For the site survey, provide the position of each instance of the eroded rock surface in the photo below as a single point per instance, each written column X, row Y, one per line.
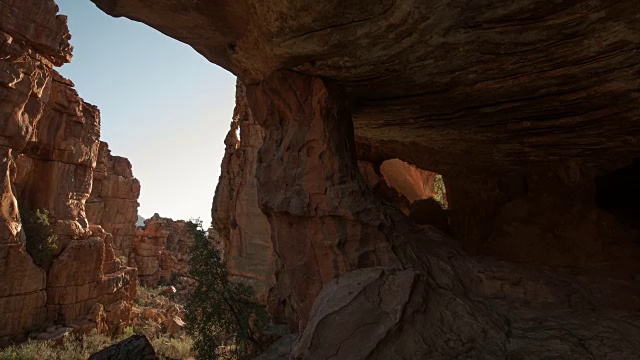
column 243, row 229
column 453, row 305
column 49, row 140
column 487, row 95
column 528, row 110
column 160, row 250
column 113, row 203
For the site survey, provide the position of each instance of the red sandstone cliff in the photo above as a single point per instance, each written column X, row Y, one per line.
column 49, row 145
column 243, row 229
column 113, row 203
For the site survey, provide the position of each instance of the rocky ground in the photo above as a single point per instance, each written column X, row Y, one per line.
column 157, row 314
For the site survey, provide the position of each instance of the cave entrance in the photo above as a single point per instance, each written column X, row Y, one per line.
column 618, row 193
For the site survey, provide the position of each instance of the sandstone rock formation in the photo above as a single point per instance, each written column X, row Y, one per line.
column 236, row 217
column 160, row 250
column 49, row 140
column 528, row 110
column 445, row 310
column 113, row 203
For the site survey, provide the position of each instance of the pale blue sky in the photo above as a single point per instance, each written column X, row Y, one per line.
column 163, row 106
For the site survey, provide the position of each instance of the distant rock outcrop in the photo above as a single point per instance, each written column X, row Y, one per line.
column 160, row 250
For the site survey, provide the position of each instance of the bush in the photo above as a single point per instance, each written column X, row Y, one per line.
column 440, row 192
column 41, row 242
column 128, row 332
column 219, row 313
column 80, row 347
column 172, row 348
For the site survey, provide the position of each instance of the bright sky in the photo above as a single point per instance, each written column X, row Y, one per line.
column 163, row 106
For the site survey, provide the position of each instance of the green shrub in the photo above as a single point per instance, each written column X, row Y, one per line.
column 128, row 332
column 219, row 312
column 172, row 348
column 123, row 260
column 440, row 192
column 41, row 242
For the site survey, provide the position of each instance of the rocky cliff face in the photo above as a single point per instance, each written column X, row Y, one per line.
column 113, row 203
column 528, row 110
column 160, row 250
column 243, row 229
column 49, row 142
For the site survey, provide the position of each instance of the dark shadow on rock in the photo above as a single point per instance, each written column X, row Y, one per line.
column 136, row 347
column 429, row 212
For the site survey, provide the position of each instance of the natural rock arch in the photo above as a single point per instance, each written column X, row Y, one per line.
column 510, row 103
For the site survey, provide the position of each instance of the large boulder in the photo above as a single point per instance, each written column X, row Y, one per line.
column 136, row 347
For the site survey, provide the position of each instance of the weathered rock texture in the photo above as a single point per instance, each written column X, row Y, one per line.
column 113, row 203
column 430, row 301
column 49, row 139
column 243, row 229
column 160, row 250
column 529, row 111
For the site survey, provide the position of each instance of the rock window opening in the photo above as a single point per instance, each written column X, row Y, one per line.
column 418, row 193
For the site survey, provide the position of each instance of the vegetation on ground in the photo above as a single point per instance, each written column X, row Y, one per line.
column 80, row 347
column 222, row 319
column 221, row 315
column 74, row 348
column 166, row 347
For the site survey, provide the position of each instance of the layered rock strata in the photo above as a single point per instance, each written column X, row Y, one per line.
column 243, row 229
column 160, row 250
column 113, row 203
column 485, row 95
column 49, row 140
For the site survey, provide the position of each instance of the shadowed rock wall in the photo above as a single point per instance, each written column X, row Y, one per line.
column 243, row 229
column 527, row 109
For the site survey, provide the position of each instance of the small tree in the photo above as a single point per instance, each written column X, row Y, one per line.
column 219, row 312
column 41, row 242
